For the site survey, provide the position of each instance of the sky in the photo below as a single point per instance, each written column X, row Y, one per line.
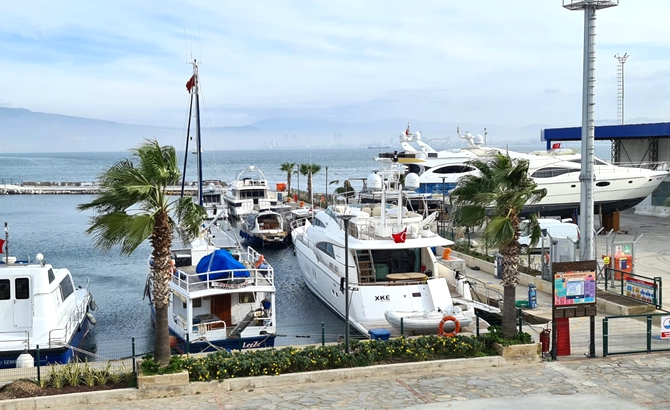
column 514, row 63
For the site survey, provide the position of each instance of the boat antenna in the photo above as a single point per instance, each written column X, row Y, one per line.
column 486, row 133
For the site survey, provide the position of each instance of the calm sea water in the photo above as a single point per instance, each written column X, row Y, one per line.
column 50, row 224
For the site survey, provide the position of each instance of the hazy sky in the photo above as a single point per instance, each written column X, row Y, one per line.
column 499, row 62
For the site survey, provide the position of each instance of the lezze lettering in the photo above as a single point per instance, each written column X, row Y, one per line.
column 383, row 298
column 252, row 345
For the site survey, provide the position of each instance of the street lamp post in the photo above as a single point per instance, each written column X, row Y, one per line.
column 326, row 187
column 346, row 219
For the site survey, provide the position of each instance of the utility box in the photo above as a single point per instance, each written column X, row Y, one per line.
column 532, row 296
column 379, row 334
column 498, row 265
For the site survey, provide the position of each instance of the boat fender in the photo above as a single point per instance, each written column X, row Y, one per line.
column 92, row 304
column 342, row 285
column 91, row 318
column 260, row 261
column 457, row 326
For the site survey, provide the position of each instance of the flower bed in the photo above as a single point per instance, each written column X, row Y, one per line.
column 223, row 364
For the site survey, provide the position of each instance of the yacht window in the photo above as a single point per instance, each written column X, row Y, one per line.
column 596, row 161
column 551, row 172
column 317, row 222
column 52, row 277
column 415, row 168
column 22, row 288
column 453, row 169
column 197, row 302
column 4, row 289
column 602, row 183
column 327, row 248
column 247, row 297
column 66, row 287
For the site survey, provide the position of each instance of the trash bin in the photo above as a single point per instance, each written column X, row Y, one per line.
column 498, row 265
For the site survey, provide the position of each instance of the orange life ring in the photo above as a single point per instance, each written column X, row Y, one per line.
column 260, row 261
column 545, row 257
column 457, row 326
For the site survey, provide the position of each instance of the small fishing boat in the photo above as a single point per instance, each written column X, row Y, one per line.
column 264, row 228
column 40, row 307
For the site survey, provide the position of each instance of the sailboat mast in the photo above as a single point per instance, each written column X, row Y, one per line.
column 188, row 136
column 197, row 130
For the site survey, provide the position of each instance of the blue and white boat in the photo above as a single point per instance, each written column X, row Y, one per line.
column 221, row 295
column 265, row 228
column 40, row 307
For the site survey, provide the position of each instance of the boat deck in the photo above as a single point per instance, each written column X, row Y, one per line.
column 219, row 238
column 189, row 280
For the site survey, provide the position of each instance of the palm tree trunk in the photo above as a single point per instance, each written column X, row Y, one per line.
column 288, row 181
column 309, row 187
column 162, row 343
column 509, row 311
column 162, row 275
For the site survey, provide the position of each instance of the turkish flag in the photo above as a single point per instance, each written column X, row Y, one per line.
column 2, row 246
column 556, row 145
column 190, row 83
column 400, row 236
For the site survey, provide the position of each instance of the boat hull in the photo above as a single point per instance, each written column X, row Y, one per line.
column 48, row 356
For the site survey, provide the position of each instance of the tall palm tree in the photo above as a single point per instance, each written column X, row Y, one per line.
column 288, row 168
column 309, row 170
column 500, row 189
column 134, row 205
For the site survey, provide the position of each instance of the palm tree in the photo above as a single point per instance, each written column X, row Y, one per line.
column 133, row 205
column 500, row 189
column 288, row 168
column 309, row 170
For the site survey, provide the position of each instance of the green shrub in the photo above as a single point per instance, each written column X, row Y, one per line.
column 495, row 336
column 150, row 367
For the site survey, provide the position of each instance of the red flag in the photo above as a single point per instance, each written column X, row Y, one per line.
column 407, row 130
column 400, row 236
column 556, row 145
column 2, row 246
column 190, row 83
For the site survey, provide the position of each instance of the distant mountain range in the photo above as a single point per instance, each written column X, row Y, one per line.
column 28, row 131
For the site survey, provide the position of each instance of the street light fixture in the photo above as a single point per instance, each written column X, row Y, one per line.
column 346, row 219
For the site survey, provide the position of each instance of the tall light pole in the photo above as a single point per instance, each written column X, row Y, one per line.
column 586, row 177
column 346, row 219
column 326, row 186
column 620, row 87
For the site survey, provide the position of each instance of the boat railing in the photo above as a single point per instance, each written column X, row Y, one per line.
column 14, row 338
column 490, row 294
column 210, row 330
column 653, row 165
column 194, row 281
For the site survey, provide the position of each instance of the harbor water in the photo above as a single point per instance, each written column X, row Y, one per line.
column 51, row 225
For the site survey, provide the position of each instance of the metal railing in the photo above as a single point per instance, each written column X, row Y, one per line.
column 635, row 334
column 638, row 287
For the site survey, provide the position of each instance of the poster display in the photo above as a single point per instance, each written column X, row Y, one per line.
column 639, row 288
column 574, row 288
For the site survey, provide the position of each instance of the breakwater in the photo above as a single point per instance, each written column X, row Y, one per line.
column 71, row 188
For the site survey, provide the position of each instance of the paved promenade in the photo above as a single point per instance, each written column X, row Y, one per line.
column 624, row 382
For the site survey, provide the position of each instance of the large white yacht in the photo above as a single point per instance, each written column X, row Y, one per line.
column 617, row 188
column 392, row 267
column 249, row 193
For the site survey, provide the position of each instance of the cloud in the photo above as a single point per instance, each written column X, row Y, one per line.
column 348, row 61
